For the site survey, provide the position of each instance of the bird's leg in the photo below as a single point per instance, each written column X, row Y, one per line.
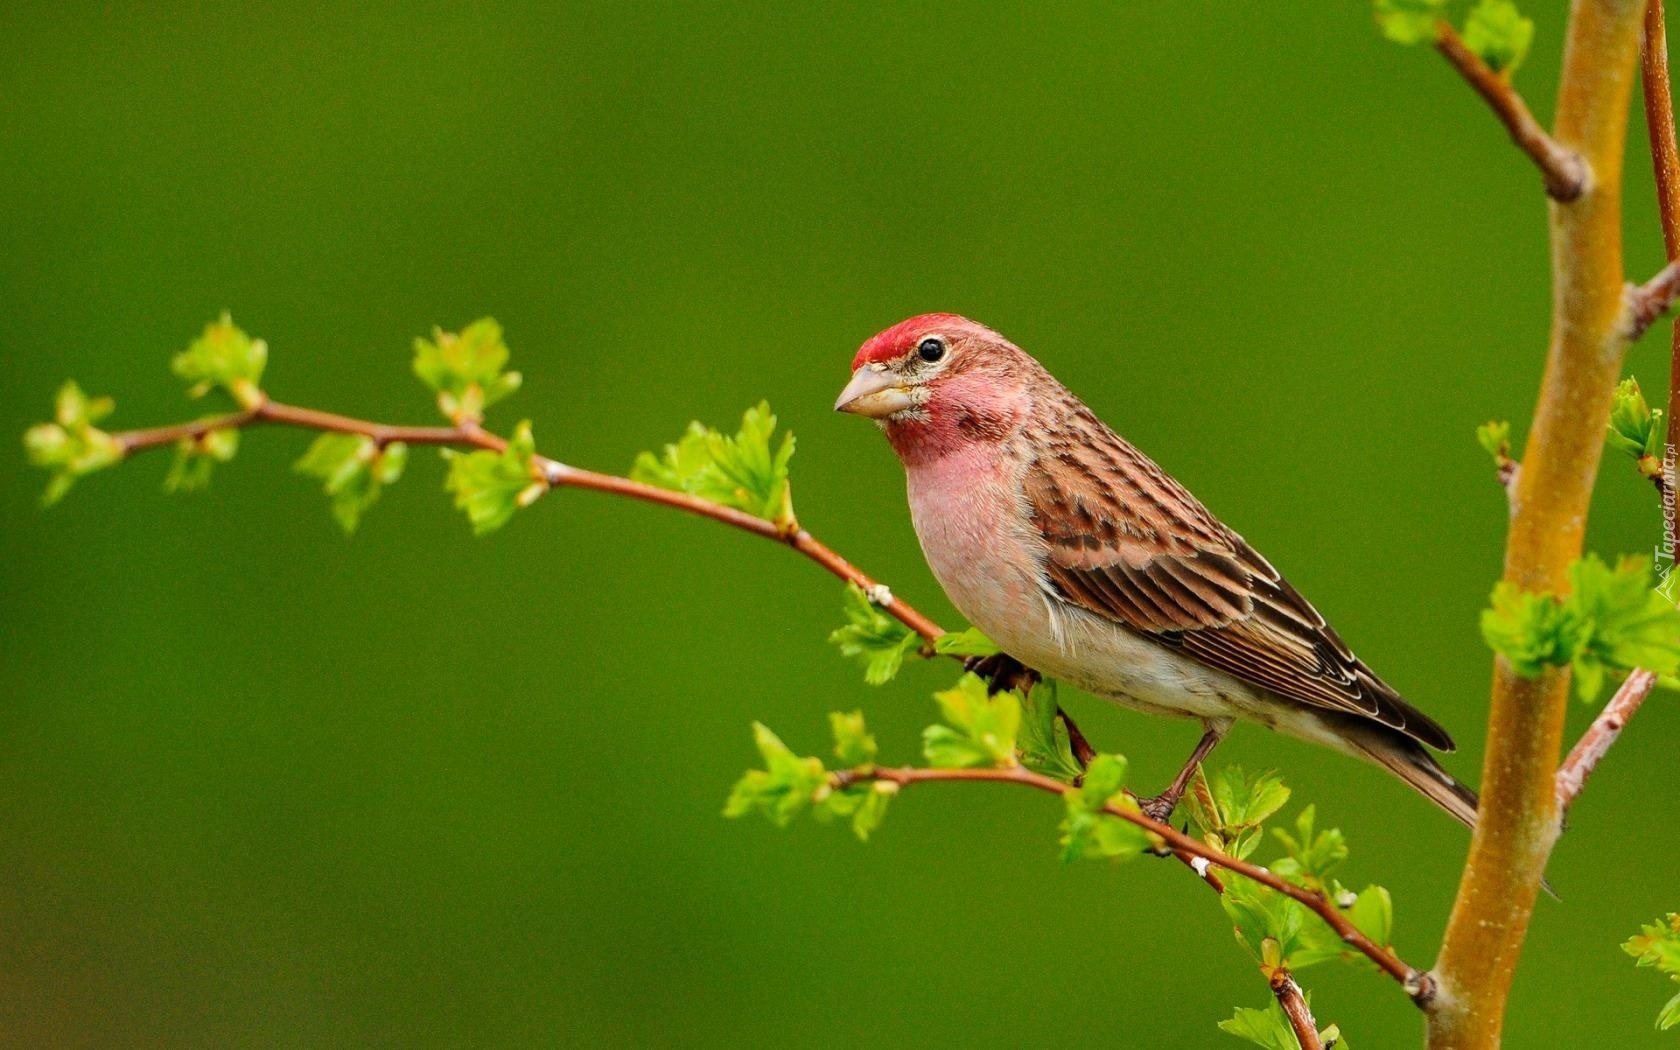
column 1161, row 806
column 1083, row 752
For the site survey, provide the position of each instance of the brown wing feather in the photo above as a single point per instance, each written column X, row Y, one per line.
column 1129, row 543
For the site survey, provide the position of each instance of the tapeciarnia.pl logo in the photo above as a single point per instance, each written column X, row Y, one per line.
column 1668, row 581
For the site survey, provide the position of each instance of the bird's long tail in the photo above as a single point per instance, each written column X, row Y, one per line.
column 1407, row 759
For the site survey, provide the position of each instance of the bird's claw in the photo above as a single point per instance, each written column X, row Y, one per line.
column 1158, row 808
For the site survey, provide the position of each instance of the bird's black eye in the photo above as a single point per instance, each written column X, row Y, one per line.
column 931, row 349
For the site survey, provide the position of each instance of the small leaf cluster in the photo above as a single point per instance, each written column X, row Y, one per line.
column 971, row 642
column 1495, row 438
column 1494, row 30
column 1090, row 828
column 224, row 357
column 1269, row 1027
column 1612, row 620
column 1044, row 744
column 789, row 784
column 468, row 372
column 1229, row 809
column 1309, row 855
column 71, row 446
column 881, row 644
column 747, row 470
column 1636, row 429
column 979, row 730
column 467, row 369
column 1658, row 945
column 353, row 470
column 491, row 486
column 876, row 640
column 196, row 457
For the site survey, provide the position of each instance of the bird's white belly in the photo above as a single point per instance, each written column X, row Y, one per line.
column 981, row 546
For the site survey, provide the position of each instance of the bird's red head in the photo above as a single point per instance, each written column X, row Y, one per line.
column 900, row 340
column 936, row 382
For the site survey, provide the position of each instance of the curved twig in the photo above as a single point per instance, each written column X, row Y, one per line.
column 1416, row 983
column 555, row 474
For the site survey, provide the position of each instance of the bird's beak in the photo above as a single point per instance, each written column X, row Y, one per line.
column 875, row 393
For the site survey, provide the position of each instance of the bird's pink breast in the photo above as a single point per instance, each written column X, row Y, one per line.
column 966, row 509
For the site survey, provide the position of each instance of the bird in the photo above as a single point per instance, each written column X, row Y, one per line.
column 1084, row 560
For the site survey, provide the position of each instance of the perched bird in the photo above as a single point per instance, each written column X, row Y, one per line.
column 1084, row 560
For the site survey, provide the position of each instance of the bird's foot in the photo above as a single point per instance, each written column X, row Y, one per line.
column 1002, row 672
column 1159, row 808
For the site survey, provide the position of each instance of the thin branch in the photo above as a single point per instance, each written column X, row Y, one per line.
column 1564, row 171
column 1294, row 1005
column 552, row 473
column 1659, row 124
column 1601, row 735
column 1665, row 164
column 1416, row 983
column 1649, row 301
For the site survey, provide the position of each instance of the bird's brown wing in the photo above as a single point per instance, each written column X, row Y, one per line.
column 1130, row 544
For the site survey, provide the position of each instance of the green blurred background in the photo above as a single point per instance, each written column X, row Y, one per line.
column 263, row 786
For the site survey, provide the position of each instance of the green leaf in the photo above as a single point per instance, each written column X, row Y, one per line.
column 1044, row 743
column 196, row 457
column 1670, row 1015
column 748, row 471
column 784, row 788
column 1372, row 912
column 1104, row 779
column 980, row 730
column 1530, row 630
column 970, row 643
column 1495, row 439
column 1267, row 923
column 854, row 746
column 353, row 470
column 1311, row 855
column 1086, row 833
column 491, row 486
column 1499, row 34
column 466, row 369
column 876, row 640
column 1613, row 620
column 224, row 356
column 1268, row 1027
column 1622, row 622
column 71, row 447
column 872, row 806
column 1408, row 21
column 1637, row 430
column 1088, row 830
column 1658, row 945
column 1230, row 806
